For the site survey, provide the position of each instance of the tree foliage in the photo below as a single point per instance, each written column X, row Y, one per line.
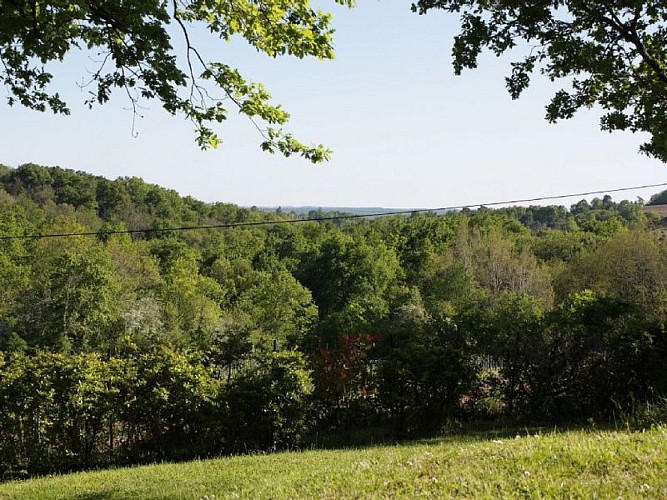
column 124, row 348
column 610, row 53
column 146, row 49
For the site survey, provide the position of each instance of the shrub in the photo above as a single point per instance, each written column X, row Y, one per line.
column 266, row 405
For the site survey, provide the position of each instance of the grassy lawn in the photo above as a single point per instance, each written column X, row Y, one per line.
column 573, row 464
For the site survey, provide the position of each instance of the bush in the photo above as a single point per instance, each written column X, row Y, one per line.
column 67, row 412
column 485, row 399
column 266, row 405
column 169, row 407
column 55, row 409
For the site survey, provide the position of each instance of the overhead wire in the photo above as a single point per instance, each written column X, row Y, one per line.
column 105, row 232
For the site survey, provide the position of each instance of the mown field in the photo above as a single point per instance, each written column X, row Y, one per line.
column 572, row 464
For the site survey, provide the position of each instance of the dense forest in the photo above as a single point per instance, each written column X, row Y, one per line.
column 158, row 344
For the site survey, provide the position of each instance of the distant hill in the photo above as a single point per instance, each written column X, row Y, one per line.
column 135, row 204
column 127, row 200
column 312, row 210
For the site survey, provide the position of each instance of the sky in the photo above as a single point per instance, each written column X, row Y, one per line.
column 404, row 130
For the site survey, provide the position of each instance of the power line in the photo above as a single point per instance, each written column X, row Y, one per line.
column 330, row 218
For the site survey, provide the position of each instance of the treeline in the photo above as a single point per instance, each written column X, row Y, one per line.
column 123, row 348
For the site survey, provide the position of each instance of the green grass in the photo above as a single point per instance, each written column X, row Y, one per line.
column 572, row 464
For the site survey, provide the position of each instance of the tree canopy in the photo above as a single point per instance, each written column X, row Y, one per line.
column 611, row 53
column 136, row 47
column 165, row 345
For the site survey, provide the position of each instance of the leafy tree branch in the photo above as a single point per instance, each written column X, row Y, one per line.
column 611, row 53
column 138, row 56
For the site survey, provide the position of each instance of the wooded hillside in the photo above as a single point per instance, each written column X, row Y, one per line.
column 123, row 348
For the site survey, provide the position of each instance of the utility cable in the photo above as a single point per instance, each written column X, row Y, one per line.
column 104, row 232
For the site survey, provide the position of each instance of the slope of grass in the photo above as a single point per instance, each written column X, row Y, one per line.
column 574, row 464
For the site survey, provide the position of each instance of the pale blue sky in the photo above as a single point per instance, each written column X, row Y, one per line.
column 405, row 131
